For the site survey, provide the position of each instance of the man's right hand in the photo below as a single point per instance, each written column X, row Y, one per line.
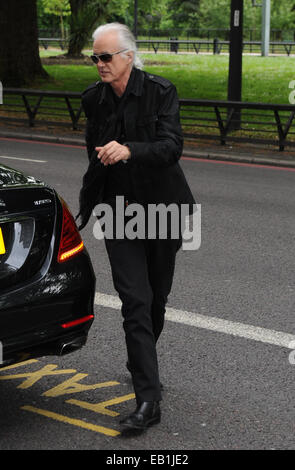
column 112, row 153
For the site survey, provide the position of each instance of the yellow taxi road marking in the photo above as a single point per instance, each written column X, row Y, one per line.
column 72, row 386
column 68, row 386
column 23, row 159
column 19, row 364
column 219, row 325
column 73, row 421
column 33, row 377
column 101, row 407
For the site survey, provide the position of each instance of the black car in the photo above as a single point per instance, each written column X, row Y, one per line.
column 47, row 283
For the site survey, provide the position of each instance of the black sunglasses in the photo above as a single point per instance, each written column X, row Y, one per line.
column 105, row 57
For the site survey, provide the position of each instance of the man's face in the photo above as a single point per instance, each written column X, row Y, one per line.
column 118, row 70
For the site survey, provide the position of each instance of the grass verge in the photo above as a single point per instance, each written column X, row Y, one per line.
column 265, row 79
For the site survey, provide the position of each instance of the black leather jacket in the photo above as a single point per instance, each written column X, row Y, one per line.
column 153, row 134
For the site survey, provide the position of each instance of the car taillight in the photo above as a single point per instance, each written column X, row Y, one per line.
column 70, row 241
column 70, row 324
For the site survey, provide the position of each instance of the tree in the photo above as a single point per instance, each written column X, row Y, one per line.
column 283, row 18
column 86, row 14
column 184, row 13
column 59, row 8
column 47, row 24
column 20, row 62
column 150, row 13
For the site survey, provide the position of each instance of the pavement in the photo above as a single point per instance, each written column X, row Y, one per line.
column 261, row 154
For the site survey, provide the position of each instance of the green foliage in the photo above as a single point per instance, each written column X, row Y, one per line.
column 178, row 15
column 210, row 16
column 86, row 15
column 56, row 7
column 184, row 14
column 216, row 14
column 150, row 13
column 283, row 16
column 52, row 16
column 60, row 8
column 117, row 8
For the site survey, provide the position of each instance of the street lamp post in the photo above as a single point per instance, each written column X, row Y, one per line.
column 265, row 25
column 265, row 31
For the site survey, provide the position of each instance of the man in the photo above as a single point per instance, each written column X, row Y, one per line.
column 134, row 142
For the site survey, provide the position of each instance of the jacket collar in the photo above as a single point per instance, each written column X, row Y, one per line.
column 137, row 84
column 134, row 86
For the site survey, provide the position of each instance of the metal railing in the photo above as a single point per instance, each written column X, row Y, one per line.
column 42, row 107
column 264, row 123
column 220, row 120
column 216, row 46
column 249, row 34
column 46, row 42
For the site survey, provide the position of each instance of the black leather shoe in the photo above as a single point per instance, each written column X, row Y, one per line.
column 146, row 414
column 129, row 368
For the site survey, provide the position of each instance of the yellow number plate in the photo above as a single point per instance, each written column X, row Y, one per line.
column 2, row 246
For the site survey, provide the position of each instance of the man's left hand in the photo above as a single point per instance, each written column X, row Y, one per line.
column 112, row 153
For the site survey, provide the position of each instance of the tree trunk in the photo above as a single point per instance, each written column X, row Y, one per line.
column 62, row 28
column 75, row 48
column 84, row 15
column 79, row 27
column 76, row 45
column 20, row 62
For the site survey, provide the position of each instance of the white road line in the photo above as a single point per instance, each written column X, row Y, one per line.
column 256, row 333
column 23, row 159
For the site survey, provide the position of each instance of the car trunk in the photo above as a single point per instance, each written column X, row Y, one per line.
column 27, row 217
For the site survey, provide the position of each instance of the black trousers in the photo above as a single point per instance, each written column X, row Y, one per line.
column 142, row 273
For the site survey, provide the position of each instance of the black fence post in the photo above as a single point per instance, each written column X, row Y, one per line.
column 174, row 45
column 216, row 46
column 236, row 59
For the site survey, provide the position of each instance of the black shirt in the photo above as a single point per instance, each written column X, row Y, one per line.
column 118, row 181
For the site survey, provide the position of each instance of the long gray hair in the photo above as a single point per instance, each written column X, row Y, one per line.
column 126, row 39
